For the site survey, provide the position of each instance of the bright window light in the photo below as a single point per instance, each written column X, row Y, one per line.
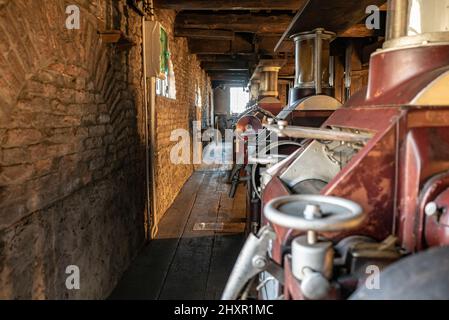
column 239, row 99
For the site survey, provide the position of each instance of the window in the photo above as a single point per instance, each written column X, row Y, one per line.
column 165, row 83
column 239, row 99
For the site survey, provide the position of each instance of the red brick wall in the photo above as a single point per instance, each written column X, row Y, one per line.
column 71, row 157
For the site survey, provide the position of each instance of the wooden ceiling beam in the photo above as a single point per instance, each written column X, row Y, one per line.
column 205, row 34
column 228, row 4
column 361, row 31
column 224, row 77
column 288, row 69
column 235, row 65
column 243, row 22
column 266, row 45
column 229, row 75
column 229, row 83
column 238, row 46
column 226, row 57
column 229, row 72
column 336, row 15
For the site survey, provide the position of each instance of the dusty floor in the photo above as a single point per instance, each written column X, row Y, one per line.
column 183, row 263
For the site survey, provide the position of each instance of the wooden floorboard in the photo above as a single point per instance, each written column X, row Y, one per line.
column 146, row 276
column 182, row 263
column 226, row 246
column 224, row 255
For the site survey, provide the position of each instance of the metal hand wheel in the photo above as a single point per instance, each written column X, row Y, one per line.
column 314, row 213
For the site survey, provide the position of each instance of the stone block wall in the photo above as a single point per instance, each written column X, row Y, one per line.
column 72, row 177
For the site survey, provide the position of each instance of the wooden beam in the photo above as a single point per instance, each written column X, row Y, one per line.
column 242, row 22
column 228, row 4
column 229, row 75
column 360, row 31
column 288, row 69
column 197, row 46
column 226, row 57
column 229, row 72
column 263, row 45
column 266, row 45
column 229, row 83
column 336, row 15
column 235, row 65
column 239, row 45
column 204, row 34
column 225, row 77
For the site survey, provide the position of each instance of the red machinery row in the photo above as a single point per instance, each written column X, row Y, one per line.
column 366, row 189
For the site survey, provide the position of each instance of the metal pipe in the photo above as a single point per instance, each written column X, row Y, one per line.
column 331, row 71
column 319, row 134
column 397, row 19
column 348, row 70
column 312, row 237
column 152, row 164
column 318, row 62
column 150, row 134
column 297, row 62
column 147, row 220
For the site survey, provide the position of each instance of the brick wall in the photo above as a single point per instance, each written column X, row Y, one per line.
column 177, row 113
column 71, row 157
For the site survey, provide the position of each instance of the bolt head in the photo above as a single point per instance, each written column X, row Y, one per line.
column 259, row 262
column 431, row 209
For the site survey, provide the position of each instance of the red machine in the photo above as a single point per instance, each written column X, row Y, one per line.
column 311, row 103
column 264, row 90
column 369, row 191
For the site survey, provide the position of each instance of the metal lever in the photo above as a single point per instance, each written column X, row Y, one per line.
column 251, row 261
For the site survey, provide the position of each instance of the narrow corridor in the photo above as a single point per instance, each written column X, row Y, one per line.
column 188, row 259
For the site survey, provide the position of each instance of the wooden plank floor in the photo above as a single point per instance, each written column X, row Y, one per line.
column 182, row 263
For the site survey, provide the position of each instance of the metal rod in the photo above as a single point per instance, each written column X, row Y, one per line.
column 312, row 237
column 348, row 70
column 331, row 71
column 319, row 134
column 318, row 61
column 297, row 62
column 397, row 19
column 147, row 220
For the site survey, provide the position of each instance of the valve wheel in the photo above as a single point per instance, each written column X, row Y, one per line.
column 314, row 213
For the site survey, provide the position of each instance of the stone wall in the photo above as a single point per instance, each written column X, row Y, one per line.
column 177, row 113
column 72, row 188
